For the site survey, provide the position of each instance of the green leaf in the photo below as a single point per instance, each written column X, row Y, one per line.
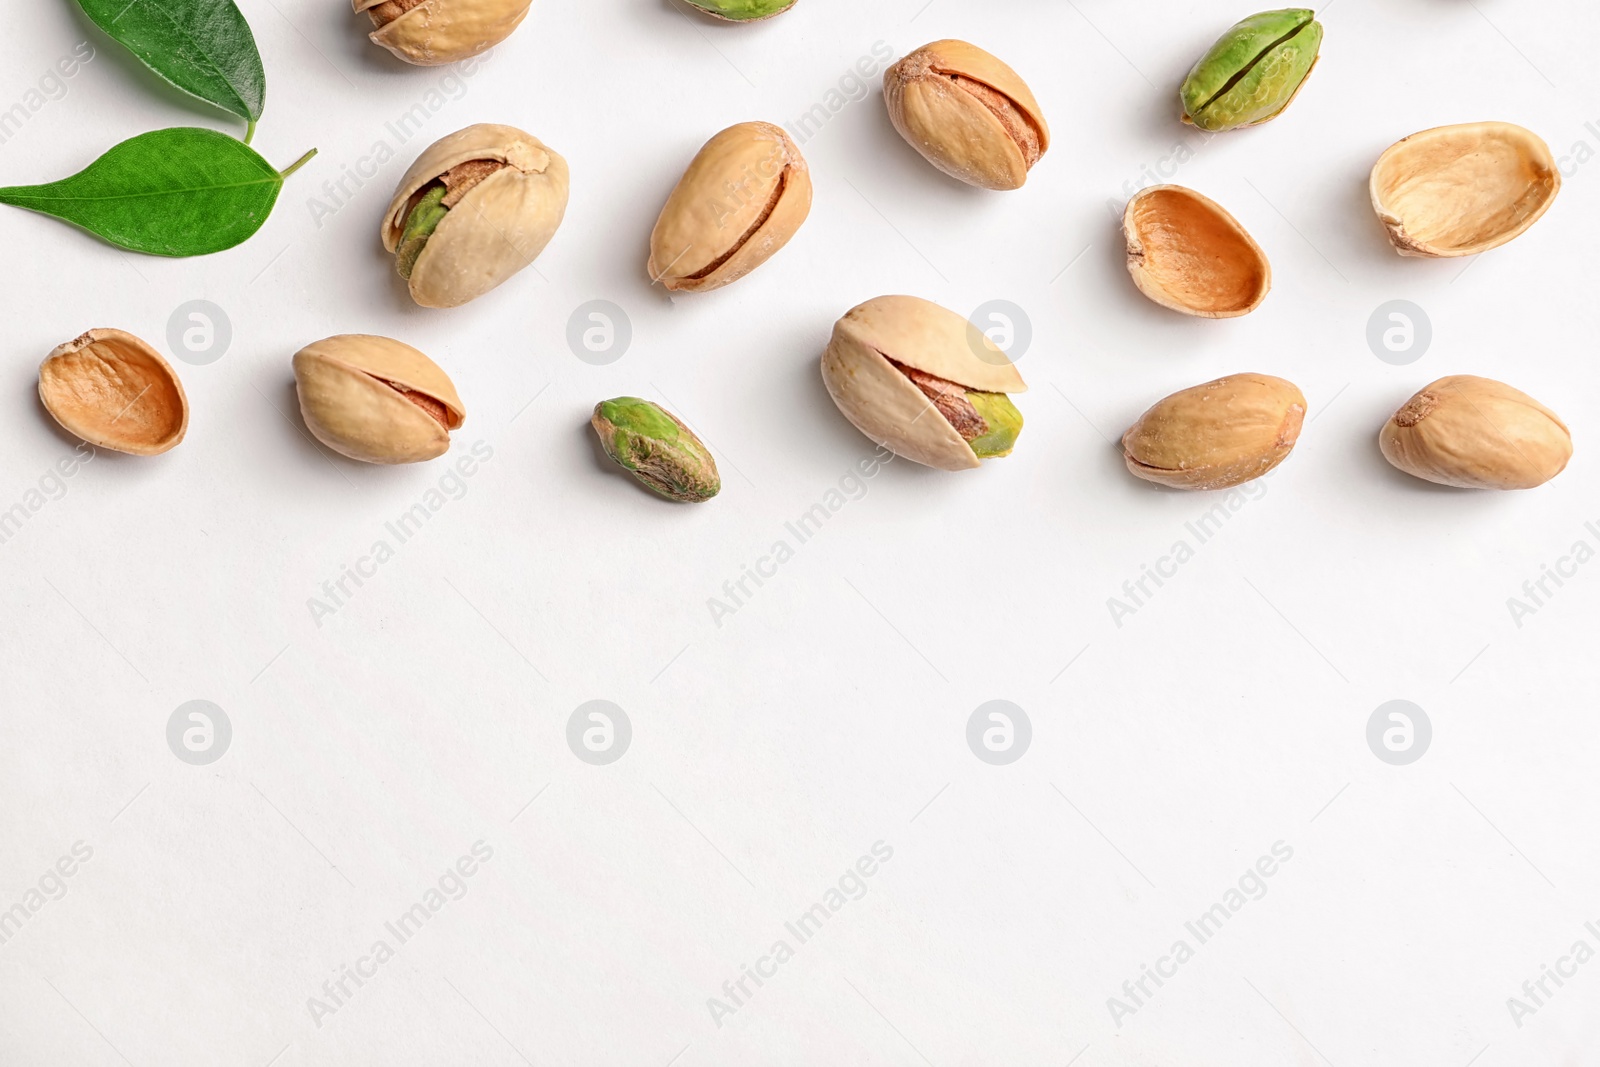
column 179, row 192
column 204, row 47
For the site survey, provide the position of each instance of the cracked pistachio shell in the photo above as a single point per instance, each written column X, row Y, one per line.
column 742, row 10
column 435, row 32
column 883, row 403
column 1216, row 435
column 500, row 225
column 1253, row 71
column 375, row 399
column 1460, row 190
column 744, row 195
column 1477, row 433
column 1188, row 254
column 967, row 113
column 115, row 391
column 653, row 445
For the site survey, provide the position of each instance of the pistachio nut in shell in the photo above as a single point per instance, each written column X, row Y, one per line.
column 376, row 399
column 967, row 113
column 922, row 381
column 653, row 445
column 433, row 32
column 744, row 195
column 1217, row 435
column 1476, row 433
column 115, row 391
column 742, row 10
column 1188, row 254
column 1253, row 71
column 1460, row 190
column 474, row 209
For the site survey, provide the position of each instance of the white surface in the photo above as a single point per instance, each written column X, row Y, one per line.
column 830, row 711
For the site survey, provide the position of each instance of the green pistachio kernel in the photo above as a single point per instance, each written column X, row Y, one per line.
column 1253, row 71
column 662, row 453
column 420, row 224
column 743, row 10
column 1004, row 424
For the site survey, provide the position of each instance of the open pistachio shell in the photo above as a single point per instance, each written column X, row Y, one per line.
column 1460, row 190
column 376, row 399
column 1188, row 254
column 434, row 32
column 882, row 402
column 115, row 391
column 967, row 113
column 745, row 194
column 499, row 226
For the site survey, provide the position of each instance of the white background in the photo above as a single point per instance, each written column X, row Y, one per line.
column 829, row 712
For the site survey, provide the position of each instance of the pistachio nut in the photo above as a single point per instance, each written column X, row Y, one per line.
column 430, row 33
column 474, row 209
column 922, row 381
column 968, row 113
column 1253, row 71
column 1216, row 435
column 1188, row 254
column 742, row 10
column 744, row 195
column 115, row 391
column 661, row 453
column 376, row 399
column 1476, row 433
column 1460, row 190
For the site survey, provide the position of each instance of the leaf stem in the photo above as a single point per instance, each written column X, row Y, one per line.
column 249, row 130
column 302, row 161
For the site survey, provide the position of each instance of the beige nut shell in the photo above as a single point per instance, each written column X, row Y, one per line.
column 1185, row 252
column 954, row 129
column 1216, row 435
column 883, row 403
column 115, row 391
column 743, row 197
column 436, row 32
column 1461, row 190
column 1476, row 433
column 349, row 405
column 500, row 226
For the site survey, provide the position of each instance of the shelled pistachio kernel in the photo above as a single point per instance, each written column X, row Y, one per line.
column 659, row 451
column 1254, row 71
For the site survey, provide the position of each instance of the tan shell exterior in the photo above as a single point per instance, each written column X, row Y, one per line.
column 497, row 229
column 951, row 127
column 1216, row 435
column 743, row 197
column 115, row 391
column 1187, row 253
column 436, row 32
column 882, row 403
column 348, row 407
column 1461, row 190
column 1477, row 433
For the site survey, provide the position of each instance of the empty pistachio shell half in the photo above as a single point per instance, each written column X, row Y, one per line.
column 1253, row 71
column 660, row 452
column 1477, row 433
column 742, row 10
column 1188, row 254
column 433, row 32
column 922, row 381
column 474, row 209
column 115, row 391
column 376, row 399
column 968, row 113
column 1217, row 435
column 1460, row 190
column 744, row 195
